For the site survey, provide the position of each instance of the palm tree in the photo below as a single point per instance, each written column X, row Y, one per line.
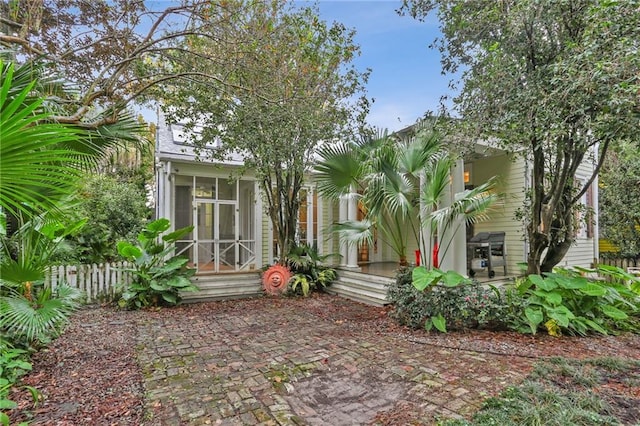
column 392, row 177
column 41, row 164
column 41, row 161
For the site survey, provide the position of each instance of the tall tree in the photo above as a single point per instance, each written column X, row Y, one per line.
column 112, row 50
column 550, row 79
column 291, row 87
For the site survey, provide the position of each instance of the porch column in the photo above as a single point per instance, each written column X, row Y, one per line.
column 459, row 245
column 342, row 217
column 168, row 210
column 258, row 216
column 425, row 244
column 310, row 233
column 352, row 249
column 320, row 227
column 452, row 243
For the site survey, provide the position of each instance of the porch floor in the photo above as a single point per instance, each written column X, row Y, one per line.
column 389, row 269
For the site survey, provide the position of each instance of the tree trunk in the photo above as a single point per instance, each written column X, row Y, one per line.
column 554, row 255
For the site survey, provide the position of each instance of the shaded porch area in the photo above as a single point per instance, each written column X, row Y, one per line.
column 389, row 269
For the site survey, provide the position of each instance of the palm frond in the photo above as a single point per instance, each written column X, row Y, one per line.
column 437, row 180
column 472, row 206
column 337, row 170
column 24, row 318
column 354, row 232
column 33, row 171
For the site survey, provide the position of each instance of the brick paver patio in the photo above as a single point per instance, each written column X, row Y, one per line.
column 275, row 362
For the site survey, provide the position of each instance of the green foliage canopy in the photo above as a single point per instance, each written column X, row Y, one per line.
column 620, row 200
column 551, row 79
column 289, row 86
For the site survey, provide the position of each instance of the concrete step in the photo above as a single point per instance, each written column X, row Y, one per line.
column 224, row 286
column 359, row 276
column 364, row 283
column 357, row 294
column 365, row 288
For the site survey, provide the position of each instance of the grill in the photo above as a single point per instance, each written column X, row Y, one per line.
column 485, row 251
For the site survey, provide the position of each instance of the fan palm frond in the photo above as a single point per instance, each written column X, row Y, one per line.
column 337, row 170
column 35, row 173
column 34, row 319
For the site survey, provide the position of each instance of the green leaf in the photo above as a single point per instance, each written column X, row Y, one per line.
column 453, row 279
column 128, row 250
column 534, row 317
column 7, row 404
column 439, row 323
column 593, row 289
column 423, row 278
column 594, row 325
column 170, row 297
column 179, row 282
column 571, row 283
column 544, row 284
column 158, row 286
column 561, row 314
column 158, row 226
column 177, row 234
column 613, row 312
column 554, row 298
column 428, row 324
column 535, row 279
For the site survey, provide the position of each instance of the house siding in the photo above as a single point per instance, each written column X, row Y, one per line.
column 583, row 251
column 511, row 175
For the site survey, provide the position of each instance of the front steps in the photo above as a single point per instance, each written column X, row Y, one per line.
column 224, row 286
column 369, row 289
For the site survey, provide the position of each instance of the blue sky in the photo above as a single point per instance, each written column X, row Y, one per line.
column 405, row 81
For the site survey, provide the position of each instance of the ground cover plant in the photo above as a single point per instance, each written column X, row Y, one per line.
column 445, row 300
column 561, row 392
column 566, row 301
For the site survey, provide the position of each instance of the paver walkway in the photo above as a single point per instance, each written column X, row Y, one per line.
column 277, row 362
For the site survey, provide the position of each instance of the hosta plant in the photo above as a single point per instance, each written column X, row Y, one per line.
column 158, row 277
column 567, row 301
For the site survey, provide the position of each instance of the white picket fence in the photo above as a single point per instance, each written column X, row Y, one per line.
column 99, row 282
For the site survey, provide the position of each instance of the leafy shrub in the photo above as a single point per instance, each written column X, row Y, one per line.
column 444, row 299
column 115, row 210
column 567, row 301
column 157, row 281
column 308, row 272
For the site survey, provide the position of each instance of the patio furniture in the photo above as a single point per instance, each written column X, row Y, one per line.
column 485, row 251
